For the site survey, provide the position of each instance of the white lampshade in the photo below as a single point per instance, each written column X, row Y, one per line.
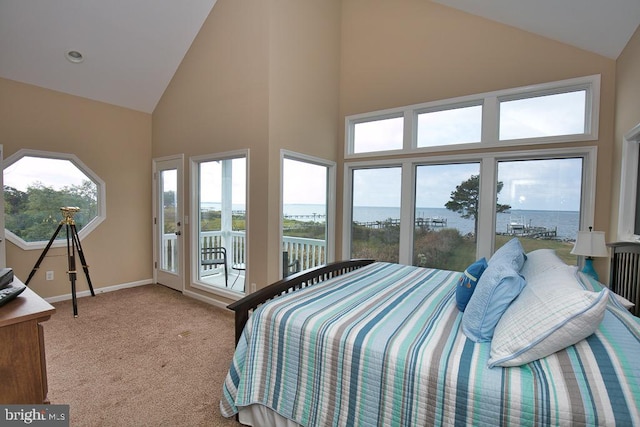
column 590, row 243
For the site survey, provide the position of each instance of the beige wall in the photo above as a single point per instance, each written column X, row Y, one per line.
column 404, row 52
column 627, row 114
column 304, row 55
column 218, row 101
column 116, row 144
column 261, row 75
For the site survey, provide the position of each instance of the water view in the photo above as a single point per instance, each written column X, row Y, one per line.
column 566, row 223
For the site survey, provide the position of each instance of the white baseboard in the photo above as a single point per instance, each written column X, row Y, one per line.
column 206, row 299
column 97, row 291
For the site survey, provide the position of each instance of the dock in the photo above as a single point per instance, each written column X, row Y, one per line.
column 522, row 230
column 424, row 223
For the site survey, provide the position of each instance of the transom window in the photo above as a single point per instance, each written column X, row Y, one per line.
column 546, row 113
column 544, row 116
column 380, row 134
column 37, row 184
column 461, row 125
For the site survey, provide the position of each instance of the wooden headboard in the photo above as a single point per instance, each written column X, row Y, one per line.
column 624, row 278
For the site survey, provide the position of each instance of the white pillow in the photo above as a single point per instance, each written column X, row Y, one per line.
column 541, row 260
column 551, row 313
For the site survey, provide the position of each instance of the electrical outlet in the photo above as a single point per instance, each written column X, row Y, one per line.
column 253, row 287
column 49, row 275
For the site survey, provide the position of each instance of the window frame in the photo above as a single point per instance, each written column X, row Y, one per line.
column 331, row 198
column 392, row 113
column 488, row 175
column 101, row 212
column 490, row 102
column 629, row 186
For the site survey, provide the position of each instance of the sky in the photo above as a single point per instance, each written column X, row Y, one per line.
column 528, row 185
column 56, row 173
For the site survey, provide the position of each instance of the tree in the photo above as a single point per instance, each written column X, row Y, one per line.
column 34, row 215
column 464, row 200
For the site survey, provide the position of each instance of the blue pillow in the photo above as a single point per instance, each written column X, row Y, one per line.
column 511, row 253
column 498, row 286
column 467, row 282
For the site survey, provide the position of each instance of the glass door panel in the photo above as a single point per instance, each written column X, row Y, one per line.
column 222, row 223
column 169, row 220
column 168, row 223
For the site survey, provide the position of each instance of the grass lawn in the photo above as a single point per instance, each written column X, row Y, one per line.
column 465, row 254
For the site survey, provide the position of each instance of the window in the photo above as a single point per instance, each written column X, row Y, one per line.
column 446, row 215
column 461, row 125
column 308, row 185
column 543, row 116
column 546, row 113
column 378, row 135
column 629, row 210
column 539, row 202
column 451, row 210
column 375, row 213
column 220, row 204
column 636, row 226
column 37, row 184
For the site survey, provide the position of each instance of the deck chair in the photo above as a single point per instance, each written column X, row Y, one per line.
column 214, row 257
column 289, row 267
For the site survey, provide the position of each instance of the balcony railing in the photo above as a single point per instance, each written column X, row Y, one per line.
column 308, row 253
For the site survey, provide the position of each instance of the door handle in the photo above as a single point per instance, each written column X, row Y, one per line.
column 178, row 233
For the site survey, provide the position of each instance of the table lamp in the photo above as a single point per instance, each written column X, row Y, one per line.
column 590, row 244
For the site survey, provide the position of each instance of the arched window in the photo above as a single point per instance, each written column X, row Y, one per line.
column 37, row 184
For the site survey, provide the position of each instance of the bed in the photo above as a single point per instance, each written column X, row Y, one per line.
column 363, row 343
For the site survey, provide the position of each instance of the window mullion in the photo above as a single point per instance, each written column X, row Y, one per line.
column 487, row 207
column 410, row 130
column 407, row 213
column 490, row 120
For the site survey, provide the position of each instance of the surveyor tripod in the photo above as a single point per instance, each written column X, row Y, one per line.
column 73, row 245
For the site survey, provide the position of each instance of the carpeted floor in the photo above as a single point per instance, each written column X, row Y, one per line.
column 145, row 356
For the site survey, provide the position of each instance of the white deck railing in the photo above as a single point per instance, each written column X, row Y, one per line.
column 308, row 252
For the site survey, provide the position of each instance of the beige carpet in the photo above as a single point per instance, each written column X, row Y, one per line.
column 145, row 356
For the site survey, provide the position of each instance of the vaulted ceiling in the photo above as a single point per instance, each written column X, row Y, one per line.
column 131, row 49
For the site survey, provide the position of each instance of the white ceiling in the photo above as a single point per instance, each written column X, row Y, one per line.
column 132, row 48
column 600, row 26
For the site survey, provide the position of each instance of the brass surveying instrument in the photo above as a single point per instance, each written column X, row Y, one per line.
column 73, row 245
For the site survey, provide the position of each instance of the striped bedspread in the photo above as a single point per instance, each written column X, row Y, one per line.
column 383, row 346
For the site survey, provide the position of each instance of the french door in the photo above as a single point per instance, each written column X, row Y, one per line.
column 168, row 222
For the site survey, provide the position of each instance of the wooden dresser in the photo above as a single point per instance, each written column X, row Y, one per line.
column 23, row 368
